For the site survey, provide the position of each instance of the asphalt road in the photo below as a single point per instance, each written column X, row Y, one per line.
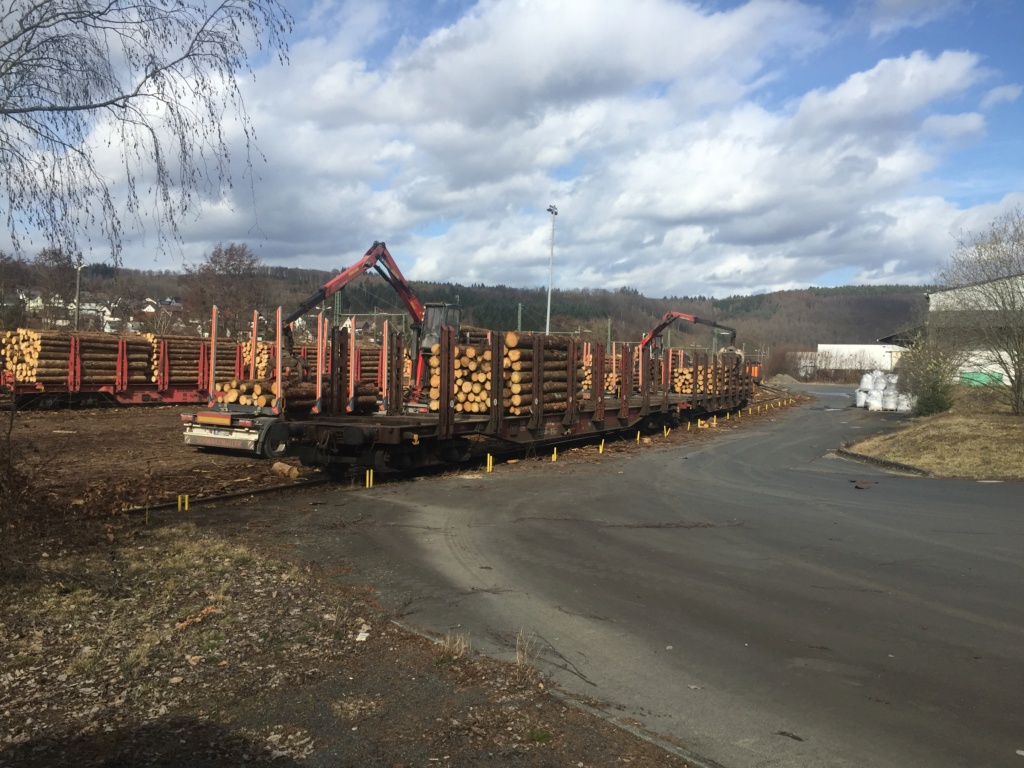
column 756, row 598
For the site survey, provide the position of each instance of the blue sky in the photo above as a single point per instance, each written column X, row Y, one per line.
column 711, row 148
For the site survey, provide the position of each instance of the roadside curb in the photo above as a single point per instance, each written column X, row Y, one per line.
column 695, row 761
column 884, row 463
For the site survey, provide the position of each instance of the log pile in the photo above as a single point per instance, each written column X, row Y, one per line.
column 518, row 374
column 263, row 358
column 43, row 357
column 369, row 364
column 183, row 357
column 473, row 378
column 712, row 381
column 611, row 375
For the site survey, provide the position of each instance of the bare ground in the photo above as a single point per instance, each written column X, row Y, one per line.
column 137, row 640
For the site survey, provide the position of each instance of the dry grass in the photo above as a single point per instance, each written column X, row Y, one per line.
column 978, row 440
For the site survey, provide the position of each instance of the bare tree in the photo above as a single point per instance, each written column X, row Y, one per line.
column 233, row 278
column 981, row 308
column 153, row 78
column 55, row 278
column 13, row 275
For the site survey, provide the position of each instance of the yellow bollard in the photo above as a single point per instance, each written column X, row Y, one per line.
column 728, row 416
column 369, row 478
column 183, row 502
column 714, row 420
column 601, row 448
column 638, row 437
column 490, row 463
column 687, row 426
column 554, row 454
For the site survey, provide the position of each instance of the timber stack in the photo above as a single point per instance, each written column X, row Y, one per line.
column 262, row 358
column 472, row 379
column 43, row 356
column 710, row 380
column 518, row 367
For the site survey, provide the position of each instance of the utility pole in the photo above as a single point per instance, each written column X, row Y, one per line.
column 519, row 317
column 609, row 333
column 551, row 266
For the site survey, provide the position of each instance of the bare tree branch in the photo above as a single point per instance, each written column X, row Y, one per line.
column 153, row 78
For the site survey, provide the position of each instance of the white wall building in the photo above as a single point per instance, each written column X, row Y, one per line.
column 857, row 357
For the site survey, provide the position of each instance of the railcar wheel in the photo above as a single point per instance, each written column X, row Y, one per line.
column 275, row 442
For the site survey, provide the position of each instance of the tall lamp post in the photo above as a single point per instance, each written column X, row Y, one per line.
column 551, row 266
column 78, row 288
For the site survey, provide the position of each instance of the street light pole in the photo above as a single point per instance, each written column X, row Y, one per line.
column 551, row 266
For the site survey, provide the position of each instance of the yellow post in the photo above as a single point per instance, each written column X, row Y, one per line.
column 714, row 420
column 688, row 426
column 369, row 478
column 554, row 454
column 638, row 437
column 186, row 502
column 601, row 448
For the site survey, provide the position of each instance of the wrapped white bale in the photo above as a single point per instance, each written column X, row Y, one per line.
column 889, row 399
column 873, row 401
column 866, row 381
column 904, row 404
column 861, row 398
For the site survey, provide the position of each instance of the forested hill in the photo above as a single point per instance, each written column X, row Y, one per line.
column 847, row 315
column 854, row 314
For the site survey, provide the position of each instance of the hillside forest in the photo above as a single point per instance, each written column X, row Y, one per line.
column 40, row 293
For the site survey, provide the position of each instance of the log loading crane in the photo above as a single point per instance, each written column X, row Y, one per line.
column 261, row 430
column 656, row 343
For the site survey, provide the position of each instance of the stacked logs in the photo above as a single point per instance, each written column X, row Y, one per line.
column 183, row 357
column 262, row 358
column 474, row 337
column 707, row 380
column 299, row 396
column 473, row 378
column 43, row 357
column 369, row 364
column 519, row 366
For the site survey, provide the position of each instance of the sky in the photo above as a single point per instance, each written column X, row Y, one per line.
column 691, row 148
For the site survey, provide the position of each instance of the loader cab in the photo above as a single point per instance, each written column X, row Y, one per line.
column 657, row 347
column 435, row 316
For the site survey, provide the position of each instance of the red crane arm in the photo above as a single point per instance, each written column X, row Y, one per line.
column 378, row 258
column 670, row 317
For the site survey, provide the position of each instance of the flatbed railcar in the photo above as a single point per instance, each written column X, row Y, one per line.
column 407, row 434
column 119, row 375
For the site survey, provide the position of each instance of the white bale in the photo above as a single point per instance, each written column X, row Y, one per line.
column 873, row 402
column 861, row 397
column 889, row 399
column 866, row 381
column 904, row 404
column 879, row 381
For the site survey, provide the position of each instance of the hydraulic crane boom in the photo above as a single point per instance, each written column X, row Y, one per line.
column 378, row 258
column 671, row 317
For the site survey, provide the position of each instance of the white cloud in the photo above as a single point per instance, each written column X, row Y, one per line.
column 647, row 123
column 1000, row 95
column 891, row 16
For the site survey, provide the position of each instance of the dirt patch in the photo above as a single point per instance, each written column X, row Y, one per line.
column 95, row 459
